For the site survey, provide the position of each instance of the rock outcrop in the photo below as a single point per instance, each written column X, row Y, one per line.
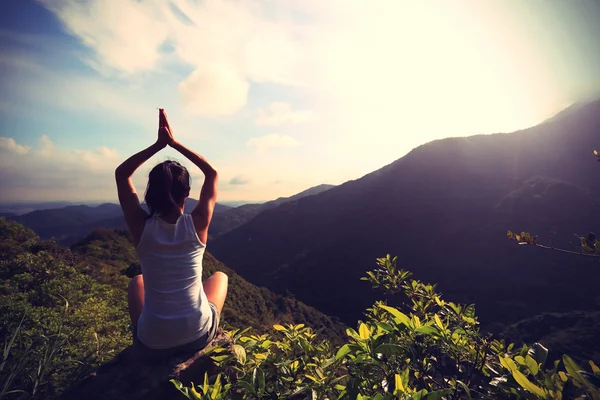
column 130, row 375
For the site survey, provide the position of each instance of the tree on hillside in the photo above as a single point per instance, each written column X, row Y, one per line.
column 589, row 245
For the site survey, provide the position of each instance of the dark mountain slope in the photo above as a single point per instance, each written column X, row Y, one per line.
column 231, row 219
column 444, row 209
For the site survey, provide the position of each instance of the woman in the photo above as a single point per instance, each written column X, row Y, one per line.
column 171, row 309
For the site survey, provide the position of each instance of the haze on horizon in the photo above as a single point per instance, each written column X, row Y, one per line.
column 279, row 95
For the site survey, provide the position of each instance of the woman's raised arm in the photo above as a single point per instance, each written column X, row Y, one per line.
column 135, row 216
column 203, row 212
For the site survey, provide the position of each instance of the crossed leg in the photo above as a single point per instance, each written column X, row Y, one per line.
column 215, row 288
column 135, row 298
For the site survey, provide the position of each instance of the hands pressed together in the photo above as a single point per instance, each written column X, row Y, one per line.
column 165, row 134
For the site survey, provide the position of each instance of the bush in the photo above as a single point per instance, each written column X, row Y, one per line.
column 424, row 348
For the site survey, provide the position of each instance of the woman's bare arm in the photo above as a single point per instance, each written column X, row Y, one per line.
column 135, row 216
column 203, row 212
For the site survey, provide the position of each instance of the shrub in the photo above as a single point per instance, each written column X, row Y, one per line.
column 424, row 348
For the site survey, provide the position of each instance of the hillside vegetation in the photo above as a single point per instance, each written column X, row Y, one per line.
column 425, row 348
column 64, row 311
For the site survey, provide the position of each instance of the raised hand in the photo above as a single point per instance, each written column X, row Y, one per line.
column 165, row 136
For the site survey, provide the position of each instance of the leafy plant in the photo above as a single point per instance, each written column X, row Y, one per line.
column 589, row 245
column 426, row 348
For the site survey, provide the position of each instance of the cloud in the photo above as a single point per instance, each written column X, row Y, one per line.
column 273, row 140
column 124, row 35
column 47, row 172
column 9, row 145
column 281, row 113
column 214, row 90
column 226, row 44
column 239, row 180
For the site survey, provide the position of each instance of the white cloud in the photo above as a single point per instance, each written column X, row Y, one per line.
column 228, row 44
column 214, row 90
column 47, row 172
column 280, row 114
column 273, row 140
column 9, row 145
column 125, row 35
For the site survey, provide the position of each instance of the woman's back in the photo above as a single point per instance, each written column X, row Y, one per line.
column 176, row 310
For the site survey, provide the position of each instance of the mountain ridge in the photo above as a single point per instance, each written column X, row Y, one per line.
column 73, row 222
column 437, row 205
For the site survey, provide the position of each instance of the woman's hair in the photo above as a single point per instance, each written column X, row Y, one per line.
column 168, row 185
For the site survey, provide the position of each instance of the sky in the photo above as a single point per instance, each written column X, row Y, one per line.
column 279, row 95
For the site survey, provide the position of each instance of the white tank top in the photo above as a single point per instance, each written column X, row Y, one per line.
column 176, row 310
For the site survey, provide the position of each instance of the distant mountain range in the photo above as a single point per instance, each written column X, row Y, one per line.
column 444, row 209
column 19, row 208
column 69, row 224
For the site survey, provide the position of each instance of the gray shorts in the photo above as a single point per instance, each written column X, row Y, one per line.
column 191, row 347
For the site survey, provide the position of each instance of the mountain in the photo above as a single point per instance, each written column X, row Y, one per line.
column 231, row 219
column 444, row 209
column 191, row 203
column 19, row 208
column 72, row 223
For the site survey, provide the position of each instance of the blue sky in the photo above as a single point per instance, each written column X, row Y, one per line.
column 280, row 95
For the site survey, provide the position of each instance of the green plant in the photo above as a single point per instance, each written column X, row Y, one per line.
column 589, row 245
column 423, row 348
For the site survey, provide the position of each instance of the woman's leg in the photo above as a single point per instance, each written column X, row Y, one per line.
column 135, row 298
column 215, row 288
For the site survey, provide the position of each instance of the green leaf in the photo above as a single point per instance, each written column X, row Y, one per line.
column 457, row 310
column 532, row 365
column 385, row 327
column 573, row 370
column 388, row 349
column 399, row 316
column 528, row 385
column 465, row 388
column 520, row 360
column 539, row 353
column 508, row 363
column 245, row 386
column 427, row 330
column 595, row 368
column 352, row 333
column 438, row 322
column 363, row 331
column 312, row 378
column 398, row 386
column 240, row 353
column 195, row 395
column 220, row 358
column 258, row 379
column 341, row 353
column 437, row 395
column 280, row 328
column 563, row 376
